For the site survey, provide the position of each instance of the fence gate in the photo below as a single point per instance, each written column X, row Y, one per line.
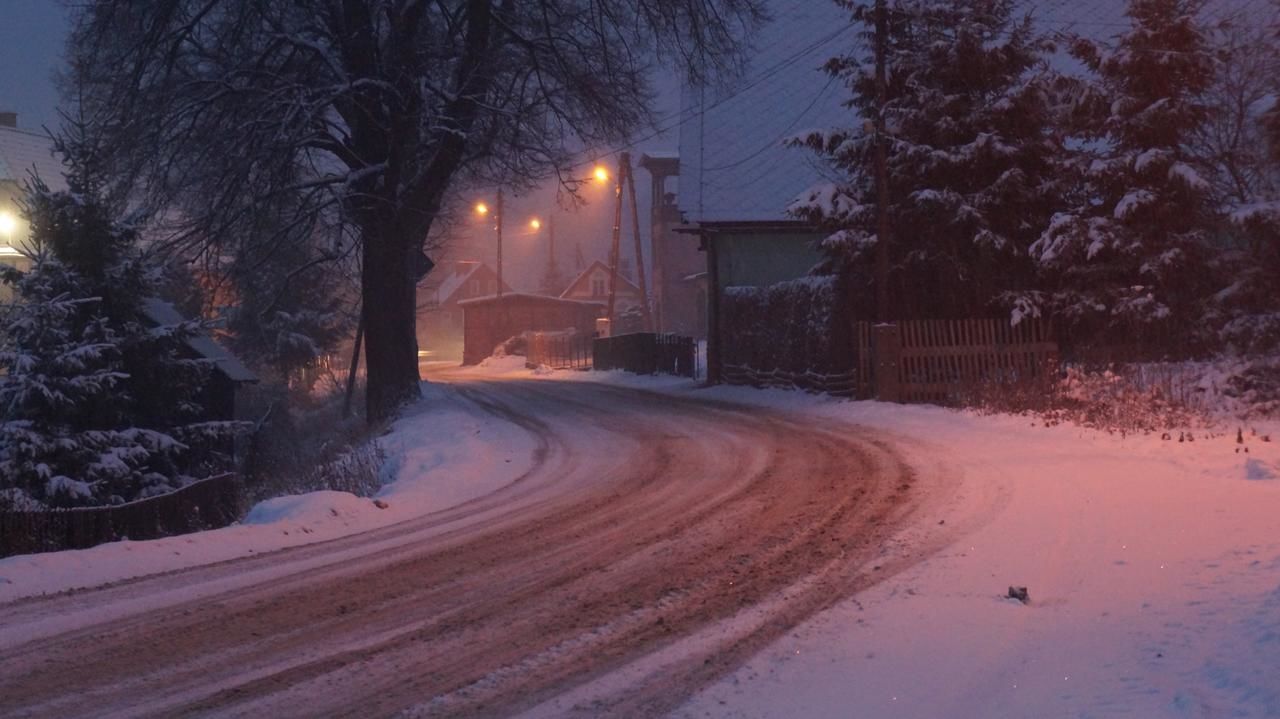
column 558, row 350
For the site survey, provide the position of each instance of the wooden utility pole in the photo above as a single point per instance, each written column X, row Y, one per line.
column 498, row 224
column 635, row 229
column 624, row 159
column 883, row 312
column 551, row 244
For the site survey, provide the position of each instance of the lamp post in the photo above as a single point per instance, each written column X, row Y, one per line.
column 599, row 173
column 482, row 209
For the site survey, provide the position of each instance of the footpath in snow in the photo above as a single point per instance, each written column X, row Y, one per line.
column 443, row 452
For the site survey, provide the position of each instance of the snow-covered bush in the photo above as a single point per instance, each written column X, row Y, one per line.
column 794, row 327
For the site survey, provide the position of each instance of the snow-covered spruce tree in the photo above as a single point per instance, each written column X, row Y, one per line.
column 97, row 405
column 973, row 156
column 1128, row 263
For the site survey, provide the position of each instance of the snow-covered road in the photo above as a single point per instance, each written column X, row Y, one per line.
column 654, row 544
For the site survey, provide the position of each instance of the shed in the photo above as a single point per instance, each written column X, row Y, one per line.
column 490, row 321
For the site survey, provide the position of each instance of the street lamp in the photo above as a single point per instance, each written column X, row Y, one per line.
column 8, row 224
column 600, row 173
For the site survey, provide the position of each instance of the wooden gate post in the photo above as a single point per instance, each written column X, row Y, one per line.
column 888, row 354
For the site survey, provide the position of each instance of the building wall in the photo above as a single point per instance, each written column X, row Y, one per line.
column 488, row 323
column 758, row 259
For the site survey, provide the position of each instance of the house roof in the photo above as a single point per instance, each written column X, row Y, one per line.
column 733, row 165
column 581, row 279
column 511, row 296
column 453, row 282
column 23, row 153
column 163, row 313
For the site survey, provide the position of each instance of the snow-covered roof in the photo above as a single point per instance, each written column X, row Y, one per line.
column 163, row 313
column 22, row 153
column 733, row 166
column 624, row 283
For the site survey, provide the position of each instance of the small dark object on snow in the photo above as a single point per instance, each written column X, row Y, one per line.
column 1182, row 437
column 1020, row 594
column 380, row 504
column 1239, row 436
column 1166, row 436
column 1266, row 438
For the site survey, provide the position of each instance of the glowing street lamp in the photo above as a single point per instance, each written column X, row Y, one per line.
column 601, row 173
column 8, row 224
column 535, row 224
column 482, row 209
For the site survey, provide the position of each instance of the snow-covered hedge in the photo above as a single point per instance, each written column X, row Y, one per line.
column 790, row 333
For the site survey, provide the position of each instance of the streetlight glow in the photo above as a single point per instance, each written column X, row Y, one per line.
column 8, row 224
column 535, row 223
column 601, row 174
column 482, row 209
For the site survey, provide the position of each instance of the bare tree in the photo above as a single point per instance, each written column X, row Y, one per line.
column 368, row 114
column 1230, row 145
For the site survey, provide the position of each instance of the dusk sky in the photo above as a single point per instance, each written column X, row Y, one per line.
column 31, row 46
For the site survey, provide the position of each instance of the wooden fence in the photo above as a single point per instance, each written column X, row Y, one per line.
column 206, row 504
column 949, row 361
column 559, row 350
column 647, row 353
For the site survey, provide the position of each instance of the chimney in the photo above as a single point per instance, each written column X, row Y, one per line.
column 9, row 119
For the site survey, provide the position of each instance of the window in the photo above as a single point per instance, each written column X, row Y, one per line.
column 597, row 287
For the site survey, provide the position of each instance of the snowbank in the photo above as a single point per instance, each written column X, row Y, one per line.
column 442, row 452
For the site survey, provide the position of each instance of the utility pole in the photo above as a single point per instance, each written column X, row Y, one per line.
column 883, row 313
column 498, row 223
column 624, row 159
column 635, row 228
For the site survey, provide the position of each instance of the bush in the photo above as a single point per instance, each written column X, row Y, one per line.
column 794, row 326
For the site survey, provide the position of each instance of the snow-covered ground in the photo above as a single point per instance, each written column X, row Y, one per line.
column 1153, row 568
column 1153, row 565
column 445, row 451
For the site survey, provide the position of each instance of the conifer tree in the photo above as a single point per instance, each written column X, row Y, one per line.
column 97, row 404
column 973, row 155
column 1129, row 260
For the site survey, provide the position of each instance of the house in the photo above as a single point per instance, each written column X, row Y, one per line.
column 592, row 285
column 490, row 321
column 735, row 175
column 440, row 318
column 22, row 154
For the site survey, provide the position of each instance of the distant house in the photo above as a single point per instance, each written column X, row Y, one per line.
column 22, row 154
column 592, row 285
column 440, row 318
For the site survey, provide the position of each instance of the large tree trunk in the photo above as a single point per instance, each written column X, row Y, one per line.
column 390, row 339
